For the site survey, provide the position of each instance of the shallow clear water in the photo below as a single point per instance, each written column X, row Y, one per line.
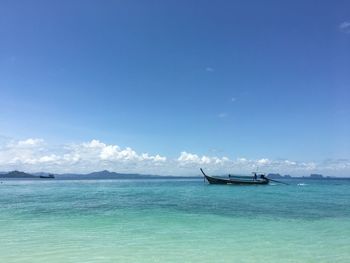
column 173, row 221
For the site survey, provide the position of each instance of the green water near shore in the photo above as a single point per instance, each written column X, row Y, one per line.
column 173, row 221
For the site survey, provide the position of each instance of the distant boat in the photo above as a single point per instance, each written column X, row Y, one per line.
column 50, row 176
column 257, row 179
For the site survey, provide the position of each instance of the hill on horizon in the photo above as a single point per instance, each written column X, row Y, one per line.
column 104, row 174
column 17, row 174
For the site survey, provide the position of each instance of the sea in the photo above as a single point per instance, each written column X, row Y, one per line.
column 174, row 220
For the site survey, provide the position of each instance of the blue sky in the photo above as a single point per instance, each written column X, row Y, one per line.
column 238, row 79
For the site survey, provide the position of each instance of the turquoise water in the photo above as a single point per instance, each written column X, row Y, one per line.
column 173, row 221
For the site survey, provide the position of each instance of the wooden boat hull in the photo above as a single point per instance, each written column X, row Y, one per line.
column 235, row 181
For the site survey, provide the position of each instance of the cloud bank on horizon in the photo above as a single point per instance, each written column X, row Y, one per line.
column 34, row 155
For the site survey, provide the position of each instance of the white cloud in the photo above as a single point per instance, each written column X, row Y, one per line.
column 94, row 144
column 345, row 27
column 49, row 158
column 156, row 158
column 222, row 115
column 109, row 152
column 113, row 153
column 263, row 161
column 31, row 142
column 189, row 158
column 289, row 163
column 186, row 158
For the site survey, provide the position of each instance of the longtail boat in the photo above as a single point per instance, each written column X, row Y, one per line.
column 50, row 176
column 256, row 179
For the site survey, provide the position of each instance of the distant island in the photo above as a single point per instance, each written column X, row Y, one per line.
column 105, row 174
column 17, row 174
column 311, row 176
column 316, row 176
column 278, row 176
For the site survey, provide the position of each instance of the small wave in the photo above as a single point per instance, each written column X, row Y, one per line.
column 302, row 184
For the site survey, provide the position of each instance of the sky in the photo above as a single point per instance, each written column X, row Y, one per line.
column 166, row 87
